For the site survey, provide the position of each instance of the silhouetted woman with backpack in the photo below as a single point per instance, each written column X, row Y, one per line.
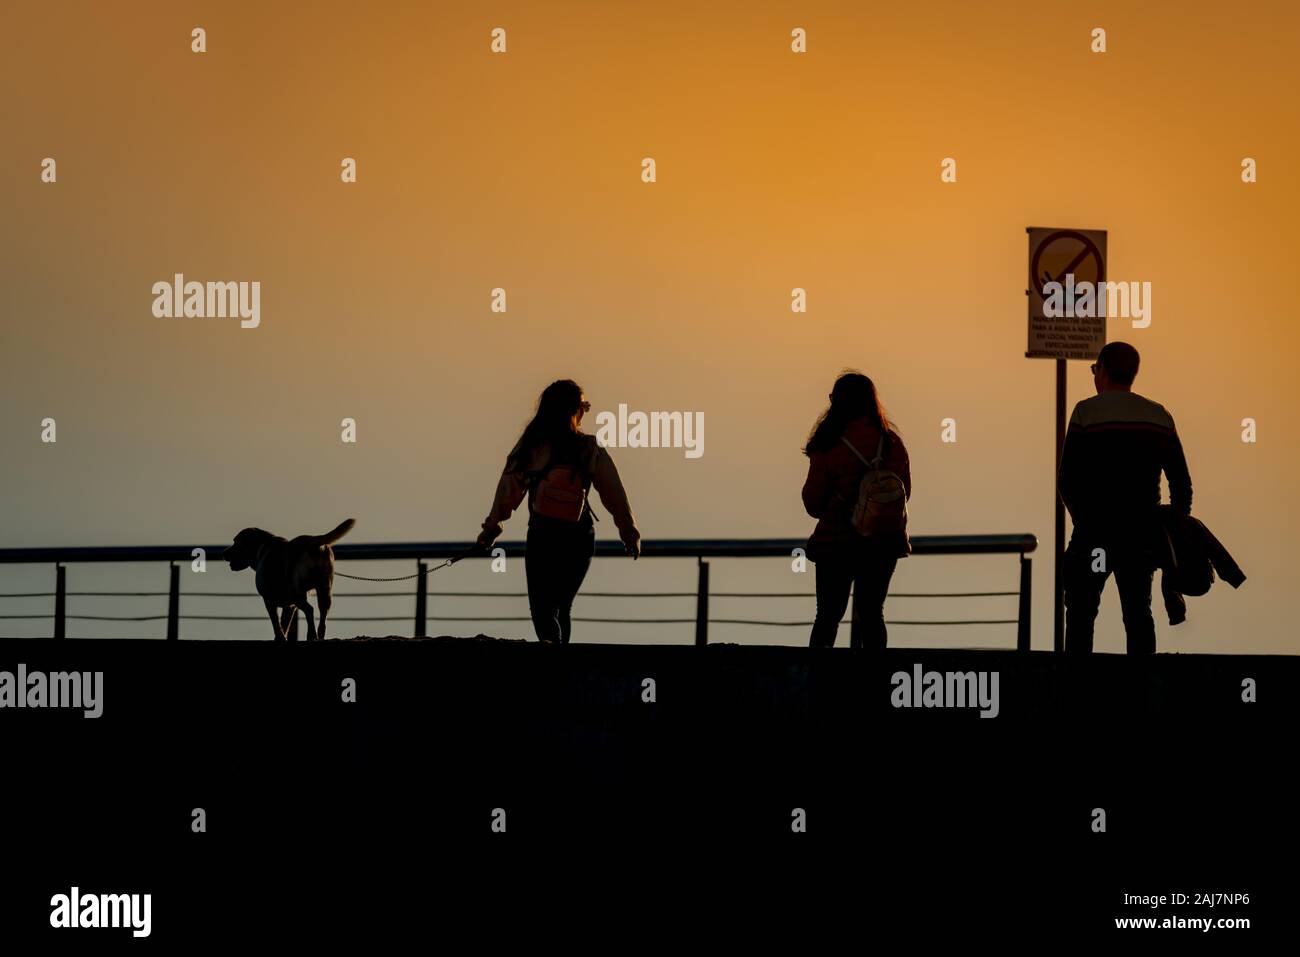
column 554, row 464
column 857, row 488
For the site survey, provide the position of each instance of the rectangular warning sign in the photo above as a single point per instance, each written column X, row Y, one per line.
column 1061, row 262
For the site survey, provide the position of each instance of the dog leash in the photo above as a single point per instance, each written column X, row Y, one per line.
column 401, row 578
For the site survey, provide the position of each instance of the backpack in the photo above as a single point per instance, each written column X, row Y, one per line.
column 560, row 492
column 881, row 507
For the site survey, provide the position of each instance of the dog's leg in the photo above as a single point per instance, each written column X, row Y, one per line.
column 275, row 622
column 311, row 619
column 323, row 601
column 287, row 620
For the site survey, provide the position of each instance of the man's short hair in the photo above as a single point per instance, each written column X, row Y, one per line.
column 1120, row 360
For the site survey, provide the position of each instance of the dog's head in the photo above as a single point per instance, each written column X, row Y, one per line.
column 243, row 552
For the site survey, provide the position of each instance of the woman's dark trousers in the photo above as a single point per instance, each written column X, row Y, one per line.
column 556, row 559
column 867, row 572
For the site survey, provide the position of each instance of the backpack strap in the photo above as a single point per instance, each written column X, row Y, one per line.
column 875, row 463
column 589, row 474
column 585, row 465
column 853, row 448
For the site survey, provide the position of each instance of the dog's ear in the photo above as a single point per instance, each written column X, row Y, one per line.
column 251, row 537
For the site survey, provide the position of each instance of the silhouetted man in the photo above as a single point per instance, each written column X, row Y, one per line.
column 1117, row 445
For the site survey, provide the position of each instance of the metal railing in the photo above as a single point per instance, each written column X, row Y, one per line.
column 699, row 549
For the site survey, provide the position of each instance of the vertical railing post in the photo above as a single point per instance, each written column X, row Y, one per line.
column 421, row 599
column 60, row 601
column 174, row 604
column 702, row 605
column 1026, row 592
column 292, row 634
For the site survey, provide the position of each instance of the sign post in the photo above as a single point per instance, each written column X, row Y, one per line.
column 1069, row 257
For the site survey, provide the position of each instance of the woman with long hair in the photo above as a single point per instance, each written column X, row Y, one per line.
column 554, row 465
column 850, row 434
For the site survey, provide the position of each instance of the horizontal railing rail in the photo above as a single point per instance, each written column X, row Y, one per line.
column 661, row 548
column 700, row 549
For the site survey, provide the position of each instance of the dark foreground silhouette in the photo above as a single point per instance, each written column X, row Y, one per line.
column 322, row 814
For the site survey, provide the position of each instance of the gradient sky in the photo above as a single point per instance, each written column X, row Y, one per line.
column 522, row 171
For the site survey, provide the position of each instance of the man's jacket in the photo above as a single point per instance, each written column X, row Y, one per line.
column 1117, row 445
column 1191, row 557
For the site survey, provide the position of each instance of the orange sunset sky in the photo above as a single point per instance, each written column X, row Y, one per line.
column 775, row 170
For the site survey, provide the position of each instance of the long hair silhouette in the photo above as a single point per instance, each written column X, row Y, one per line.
column 852, row 397
column 551, row 424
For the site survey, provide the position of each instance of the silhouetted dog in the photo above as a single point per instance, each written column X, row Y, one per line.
column 287, row 571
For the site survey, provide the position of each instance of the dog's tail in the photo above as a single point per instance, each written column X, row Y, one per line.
column 330, row 537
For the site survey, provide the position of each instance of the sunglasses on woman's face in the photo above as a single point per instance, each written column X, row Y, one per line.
column 586, row 406
column 1093, row 368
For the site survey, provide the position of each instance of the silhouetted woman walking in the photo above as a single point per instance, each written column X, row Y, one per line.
column 841, row 450
column 554, row 464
